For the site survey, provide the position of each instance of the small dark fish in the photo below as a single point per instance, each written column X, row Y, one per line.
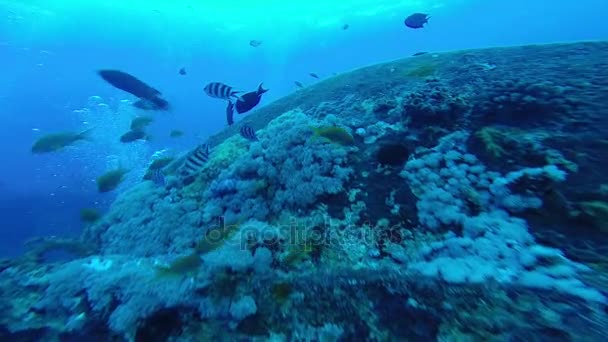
column 111, row 180
column 221, row 91
column 248, row 133
column 345, row 27
column 416, row 20
column 230, row 113
column 140, row 122
column 56, row 141
column 158, row 177
column 176, row 133
column 132, row 85
column 420, row 53
column 298, row 84
column 255, row 43
column 89, row 215
column 249, row 100
column 133, row 135
column 313, row 75
column 182, row 71
column 195, row 161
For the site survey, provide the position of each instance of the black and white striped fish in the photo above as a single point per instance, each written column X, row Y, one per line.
column 195, row 161
column 248, row 133
column 221, row 91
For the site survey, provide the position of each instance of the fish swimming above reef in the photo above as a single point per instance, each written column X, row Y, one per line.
column 195, row 161
column 416, row 20
column 420, row 53
column 221, row 91
column 56, row 141
column 133, row 135
column 176, row 133
column 230, row 113
column 313, row 75
column 89, row 215
column 128, row 83
column 248, row 133
column 111, row 180
column 132, row 85
column 141, row 122
column 337, row 135
column 182, row 71
column 298, row 84
column 345, row 27
column 255, row 43
column 249, row 100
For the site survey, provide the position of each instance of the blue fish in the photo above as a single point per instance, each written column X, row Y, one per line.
column 248, row 133
column 416, row 20
column 249, row 100
column 133, row 85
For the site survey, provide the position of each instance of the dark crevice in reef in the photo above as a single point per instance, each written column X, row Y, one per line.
column 392, row 154
column 161, row 325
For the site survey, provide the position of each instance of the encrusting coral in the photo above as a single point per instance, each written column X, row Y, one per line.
column 372, row 206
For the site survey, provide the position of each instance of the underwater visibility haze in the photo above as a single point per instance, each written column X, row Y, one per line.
column 406, row 170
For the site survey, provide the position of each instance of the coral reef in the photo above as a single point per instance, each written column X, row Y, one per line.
column 381, row 204
column 285, row 170
column 522, row 102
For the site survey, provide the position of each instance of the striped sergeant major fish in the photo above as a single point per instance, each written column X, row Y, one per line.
column 195, row 161
column 248, row 133
column 221, row 91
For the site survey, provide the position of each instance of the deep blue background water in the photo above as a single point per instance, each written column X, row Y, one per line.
column 46, row 75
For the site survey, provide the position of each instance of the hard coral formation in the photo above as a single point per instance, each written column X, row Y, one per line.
column 285, row 170
column 494, row 244
column 145, row 220
column 434, row 105
column 428, row 224
column 522, row 102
